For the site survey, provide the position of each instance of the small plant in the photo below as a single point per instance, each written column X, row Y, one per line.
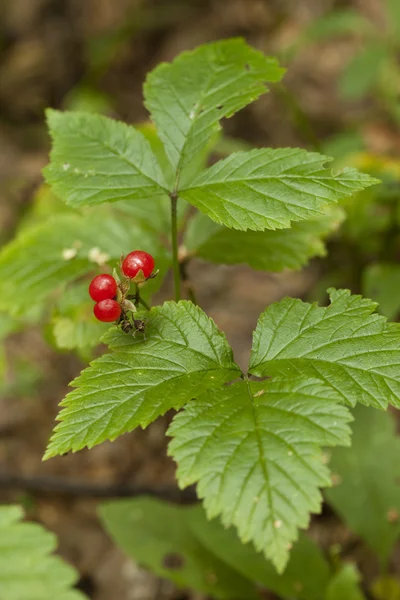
column 251, row 441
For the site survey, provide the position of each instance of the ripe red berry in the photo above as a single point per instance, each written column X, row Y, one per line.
column 107, row 311
column 103, row 287
column 138, row 261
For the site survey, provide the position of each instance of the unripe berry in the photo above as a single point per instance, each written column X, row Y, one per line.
column 103, row 287
column 138, row 261
column 107, row 311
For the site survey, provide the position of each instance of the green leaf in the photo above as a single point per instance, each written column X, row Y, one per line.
column 254, row 450
column 381, row 282
column 268, row 189
column 37, row 262
column 28, row 570
column 346, row 345
column 367, row 496
column 160, row 536
column 188, row 97
column 71, row 333
column 263, row 250
column 306, row 575
column 335, row 23
column 393, row 9
column 363, row 71
column 182, row 354
column 95, row 159
column 151, row 532
column 345, row 585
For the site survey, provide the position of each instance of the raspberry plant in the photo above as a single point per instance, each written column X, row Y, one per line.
column 251, row 441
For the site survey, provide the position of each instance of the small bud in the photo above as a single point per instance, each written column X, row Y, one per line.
column 69, row 253
column 128, row 305
column 95, row 255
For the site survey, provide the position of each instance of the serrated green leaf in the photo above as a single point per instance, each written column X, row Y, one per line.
column 263, row 250
column 346, row 345
column 254, row 451
column 28, row 570
column 35, row 264
column 268, row 188
column 363, row 71
column 381, row 282
column 367, row 496
column 160, row 536
column 182, row 354
column 189, row 97
column 345, row 585
column 306, row 575
column 95, row 159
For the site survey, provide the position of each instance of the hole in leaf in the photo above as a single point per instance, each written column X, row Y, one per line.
column 247, row 67
column 173, row 561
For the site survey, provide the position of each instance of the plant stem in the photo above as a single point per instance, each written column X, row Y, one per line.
column 174, row 239
column 143, row 303
column 300, row 118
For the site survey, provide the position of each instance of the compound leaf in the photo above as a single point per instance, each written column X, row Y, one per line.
column 346, row 345
column 95, row 159
column 28, row 570
column 160, row 536
column 264, row 250
column 270, row 188
column 182, row 354
column 188, row 97
column 254, row 451
column 367, row 496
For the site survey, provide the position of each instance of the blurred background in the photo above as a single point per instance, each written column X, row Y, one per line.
column 340, row 96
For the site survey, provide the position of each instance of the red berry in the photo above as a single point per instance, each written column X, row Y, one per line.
column 103, row 287
column 138, row 261
column 107, row 311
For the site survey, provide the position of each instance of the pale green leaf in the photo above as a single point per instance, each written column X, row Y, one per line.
column 49, row 255
column 346, row 345
column 181, row 355
column 71, row 333
column 381, row 282
column 268, row 188
column 345, row 584
column 393, row 10
column 160, row 537
column 367, row 496
column 264, row 250
column 306, row 575
column 95, row 159
column 28, row 569
column 254, row 451
column 188, row 97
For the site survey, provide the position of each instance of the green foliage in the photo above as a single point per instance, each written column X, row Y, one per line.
column 346, row 344
column 96, row 160
column 345, row 585
column 189, row 97
column 28, row 570
column 268, row 189
column 182, row 545
column 367, row 496
column 263, row 250
column 46, row 256
column 363, row 71
column 182, row 354
column 254, row 449
column 162, row 537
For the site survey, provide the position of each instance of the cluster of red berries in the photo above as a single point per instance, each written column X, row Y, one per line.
column 109, row 295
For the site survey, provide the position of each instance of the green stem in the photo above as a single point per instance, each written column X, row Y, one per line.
column 143, row 303
column 174, row 239
column 300, row 118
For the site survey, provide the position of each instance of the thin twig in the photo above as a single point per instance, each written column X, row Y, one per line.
column 66, row 487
